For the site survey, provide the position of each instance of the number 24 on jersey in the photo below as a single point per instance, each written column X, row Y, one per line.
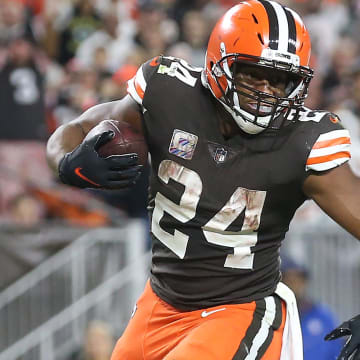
column 250, row 201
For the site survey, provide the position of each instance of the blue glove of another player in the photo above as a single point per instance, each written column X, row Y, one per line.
column 351, row 328
column 84, row 168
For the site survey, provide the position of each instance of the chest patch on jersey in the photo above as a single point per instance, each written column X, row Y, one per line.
column 183, row 144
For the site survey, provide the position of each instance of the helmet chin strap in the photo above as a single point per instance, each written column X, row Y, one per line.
column 241, row 120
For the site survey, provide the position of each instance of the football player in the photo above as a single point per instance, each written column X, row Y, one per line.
column 234, row 153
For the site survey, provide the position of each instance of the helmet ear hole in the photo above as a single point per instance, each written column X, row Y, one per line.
column 260, row 38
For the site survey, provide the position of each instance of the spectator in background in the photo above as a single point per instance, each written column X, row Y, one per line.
column 83, row 21
column 12, row 21
column 320, row 15
column 85, row 88
column 195, row 34
column 115, row 42
column 316, row 319
column 22, row 92
column 54, row 19
column 346, row 103
column 26, row 210
column 98, row 343
column 119, row 81
column 125, row 10
column 342, row 60
column 216, row 8
column 79, row 91
column 154, row 31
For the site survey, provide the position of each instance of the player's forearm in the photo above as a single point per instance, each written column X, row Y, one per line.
column 62, row 141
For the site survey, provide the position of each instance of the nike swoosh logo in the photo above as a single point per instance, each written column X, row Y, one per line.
column 77, row 171
column 207, row 313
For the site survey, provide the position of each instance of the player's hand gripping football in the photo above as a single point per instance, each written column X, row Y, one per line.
column 351, row 328
column 84, row 168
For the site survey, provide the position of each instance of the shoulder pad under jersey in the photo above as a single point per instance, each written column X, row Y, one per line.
column 163, row 65
column 136, row 86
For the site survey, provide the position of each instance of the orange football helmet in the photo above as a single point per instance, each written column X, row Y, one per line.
column 263, row 34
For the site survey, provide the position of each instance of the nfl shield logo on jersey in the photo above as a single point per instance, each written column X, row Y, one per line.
column 183, row 144
column 220, row 155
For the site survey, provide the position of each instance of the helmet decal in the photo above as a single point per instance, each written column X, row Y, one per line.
column 282, row 29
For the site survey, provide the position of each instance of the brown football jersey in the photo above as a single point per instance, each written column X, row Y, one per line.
column 220, row 208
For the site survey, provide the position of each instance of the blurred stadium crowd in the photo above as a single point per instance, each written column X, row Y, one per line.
column 57, row 58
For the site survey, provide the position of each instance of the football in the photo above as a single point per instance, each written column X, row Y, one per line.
column 125, row 141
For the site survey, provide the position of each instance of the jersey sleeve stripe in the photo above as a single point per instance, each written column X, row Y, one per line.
column 327, row 143
column 138, row 89
column 327, row 158
column 333, row 135
column 140, row 78
column 132, row 91
column 327, row 165
column 137, row 86
column 329, row 150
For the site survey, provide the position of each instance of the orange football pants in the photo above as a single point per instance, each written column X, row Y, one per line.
column 158, row 331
